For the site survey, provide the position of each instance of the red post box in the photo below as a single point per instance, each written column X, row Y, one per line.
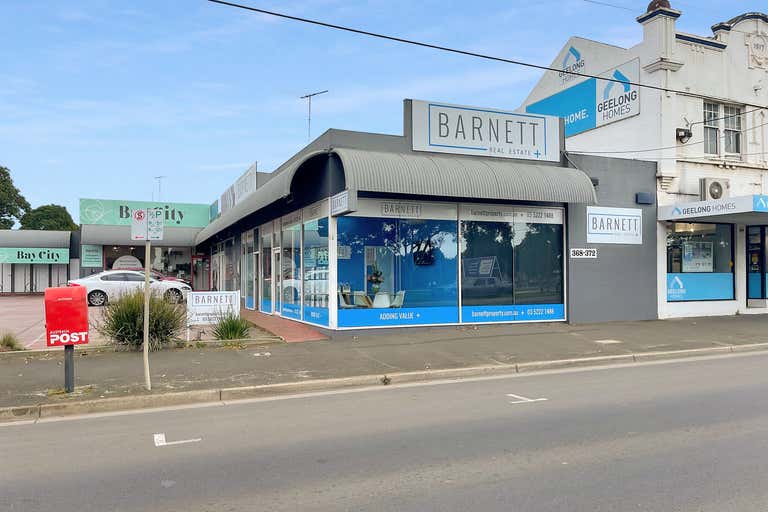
column 66, row 316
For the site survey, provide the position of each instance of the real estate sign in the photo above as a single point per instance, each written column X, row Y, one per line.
column 205, row 308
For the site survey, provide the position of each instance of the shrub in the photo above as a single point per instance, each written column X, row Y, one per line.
column 229, row 326
column 8, row 341
column 123, row 321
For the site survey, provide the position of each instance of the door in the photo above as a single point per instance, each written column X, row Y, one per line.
column 253, row 288
column 277, row 280
column 756, row 271
column 201, row 273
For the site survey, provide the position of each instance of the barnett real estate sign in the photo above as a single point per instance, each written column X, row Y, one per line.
column 110, row 212
column 463, row 130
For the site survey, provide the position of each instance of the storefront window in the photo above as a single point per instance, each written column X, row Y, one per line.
column 397, row 271
column 247, row 264
column 757, row 260
column 266, row 274
column 216, row 267
column 513, row 270
column 231, row 266
column 700, row 262
column 316, row 271
column 291, row 271
column 173, row 262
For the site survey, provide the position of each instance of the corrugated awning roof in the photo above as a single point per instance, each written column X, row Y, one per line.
column 428, row 175
column 34, row 238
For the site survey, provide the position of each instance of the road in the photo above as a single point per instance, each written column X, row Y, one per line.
column 679, row 436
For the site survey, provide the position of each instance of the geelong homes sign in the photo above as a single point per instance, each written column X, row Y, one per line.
column 443, row 128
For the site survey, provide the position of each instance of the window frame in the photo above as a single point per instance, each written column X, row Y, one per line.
column 714, row 119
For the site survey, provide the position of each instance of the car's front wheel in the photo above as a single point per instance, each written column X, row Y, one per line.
column 173, row 295
column 97, row 298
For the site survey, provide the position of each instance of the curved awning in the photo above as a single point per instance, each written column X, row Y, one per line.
column 463, row 177
column 455, row 177
column 34, row 238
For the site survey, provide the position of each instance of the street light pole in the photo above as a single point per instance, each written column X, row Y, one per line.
column 308, row 97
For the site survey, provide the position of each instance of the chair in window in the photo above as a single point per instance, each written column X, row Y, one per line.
column 397, row 302
column 344, row 301
column 362, row 300
column 382, row 300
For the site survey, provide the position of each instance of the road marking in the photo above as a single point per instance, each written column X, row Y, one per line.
column 160, row 440
column 608, row 342
column 392, row 387
column 524, row 400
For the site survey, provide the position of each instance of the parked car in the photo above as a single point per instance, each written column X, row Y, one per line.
column 161, row 277
column 109, row 285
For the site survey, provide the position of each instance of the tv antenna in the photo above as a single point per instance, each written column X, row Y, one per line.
column 308, row 97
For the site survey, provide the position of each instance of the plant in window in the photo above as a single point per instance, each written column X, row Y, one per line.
column 375, row 278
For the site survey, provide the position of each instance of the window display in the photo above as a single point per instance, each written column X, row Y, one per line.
column 397, row 271
column 699, row 262
column 316, row 271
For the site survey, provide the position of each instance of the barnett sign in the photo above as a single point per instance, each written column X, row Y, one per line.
column 205, row 308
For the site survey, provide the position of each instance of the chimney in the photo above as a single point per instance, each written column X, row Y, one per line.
column 659, row 29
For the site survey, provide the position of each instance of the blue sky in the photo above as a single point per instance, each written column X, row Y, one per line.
column 99, row 96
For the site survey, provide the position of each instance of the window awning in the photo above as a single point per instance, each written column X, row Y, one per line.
column 733, row 210
column 454, row 177
column 34, row 238
column 97, row 234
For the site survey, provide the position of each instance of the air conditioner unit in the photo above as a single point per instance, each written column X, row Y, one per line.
column 714, row 188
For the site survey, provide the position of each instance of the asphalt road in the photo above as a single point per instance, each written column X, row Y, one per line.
column 682, row 436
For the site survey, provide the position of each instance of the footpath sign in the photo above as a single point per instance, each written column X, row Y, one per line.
column 205, row 308
column 139, row 225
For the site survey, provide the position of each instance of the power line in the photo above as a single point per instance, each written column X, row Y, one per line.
column 451, row 50
column 687, row 144
column 606, row 4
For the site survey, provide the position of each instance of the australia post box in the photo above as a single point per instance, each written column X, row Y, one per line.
column 66, row 316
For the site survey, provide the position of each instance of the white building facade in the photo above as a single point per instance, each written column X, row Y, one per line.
column 700, row 113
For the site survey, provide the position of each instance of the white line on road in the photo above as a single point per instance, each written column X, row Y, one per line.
column 524, row 400
column 160, row 440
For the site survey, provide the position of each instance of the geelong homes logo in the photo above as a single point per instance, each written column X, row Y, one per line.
column 675, row 288
column 572, row 63
column 619, row 99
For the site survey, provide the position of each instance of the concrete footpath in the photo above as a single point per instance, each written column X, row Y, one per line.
column 194, row 374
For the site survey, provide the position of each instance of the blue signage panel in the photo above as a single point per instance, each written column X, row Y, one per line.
column 760, row 203
column 577, row 105
column 392, row 317
column 292, row 311
column 699, row 286
column 317, row 316
column 517, row 313
column 266, row 306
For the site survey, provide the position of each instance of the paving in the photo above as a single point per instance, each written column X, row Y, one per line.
column 37, row 378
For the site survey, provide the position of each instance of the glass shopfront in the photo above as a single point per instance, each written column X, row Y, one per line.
column 173, row 262
column 444, row 264
column 290, row 264
column 700, row 262
column 248, row 262
column 400, row 263
column 512, row 264
column 757, row 260
column 315, row 285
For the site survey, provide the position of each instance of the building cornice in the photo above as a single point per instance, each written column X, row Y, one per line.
column 662, row 64
column 663, row 11
column 704, row 41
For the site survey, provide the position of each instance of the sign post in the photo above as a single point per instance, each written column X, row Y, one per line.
column 147, row 225
column 66, row 323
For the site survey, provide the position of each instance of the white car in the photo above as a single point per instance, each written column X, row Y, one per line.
column 109, row 285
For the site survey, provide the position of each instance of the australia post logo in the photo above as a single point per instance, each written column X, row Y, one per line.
column 573, row 62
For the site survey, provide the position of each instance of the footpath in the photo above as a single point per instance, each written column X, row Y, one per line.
column 31, row 382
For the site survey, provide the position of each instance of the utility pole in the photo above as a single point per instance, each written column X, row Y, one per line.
column 160, row 186
column 308, row 97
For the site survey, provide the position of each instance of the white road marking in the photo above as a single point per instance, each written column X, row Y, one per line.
column 608, row 342
column 379, row 388
column 160, row 440
column 524, row 400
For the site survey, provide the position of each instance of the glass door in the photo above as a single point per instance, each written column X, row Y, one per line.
column 277, row 279
column 201, row 273
column 756, row 271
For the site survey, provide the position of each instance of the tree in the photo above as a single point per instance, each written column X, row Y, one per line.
column 49, row 216
column 13, row 206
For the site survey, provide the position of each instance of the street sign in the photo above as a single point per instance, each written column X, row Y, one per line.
column 139, row 225
column 155, row 224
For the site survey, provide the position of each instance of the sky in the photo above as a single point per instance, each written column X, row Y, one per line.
column 98, row 97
